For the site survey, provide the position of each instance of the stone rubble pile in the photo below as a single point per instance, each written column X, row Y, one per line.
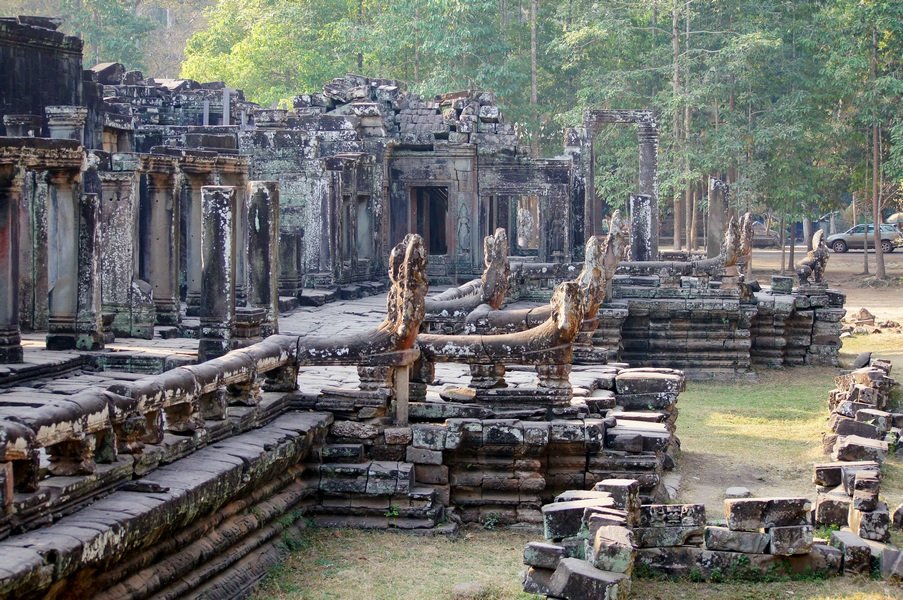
column 861, row 428
column 597, row 540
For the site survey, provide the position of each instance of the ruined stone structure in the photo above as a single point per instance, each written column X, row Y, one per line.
column 139, row 208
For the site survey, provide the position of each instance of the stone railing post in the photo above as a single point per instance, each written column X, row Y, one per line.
column 217, row 309
column 263, row 251
column 10, row 197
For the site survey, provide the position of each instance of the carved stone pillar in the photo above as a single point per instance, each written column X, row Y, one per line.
column 641, row 228
column 73, row 266
column 263, row 251
column 67, row 122
column 160, row 238
column 232, row 171
column 196, row 180
column 647, row 135
column 218, row 277
column 10, row 192
column 289, row 266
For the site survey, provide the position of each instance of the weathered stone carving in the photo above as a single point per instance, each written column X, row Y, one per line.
column 746, row 240
column 456, row 303
column 547, row 346
column 813, row 265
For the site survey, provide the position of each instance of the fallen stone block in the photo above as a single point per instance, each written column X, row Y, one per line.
column 722, row 538
column 857, row 555
column 570, row 495
column 542, row 555
column 854, row 447
column 832, row 508
column 536, row 581
column 672, row 515
column 788, row 541
column 613, row 549
column 897, row 517
column 575, row 579
column 565, row 519
column 831, row 474
column 846, row 426
column 658, row 537
column 881, row 420
column 752, row 514
column 625, row 493
column 871, row 525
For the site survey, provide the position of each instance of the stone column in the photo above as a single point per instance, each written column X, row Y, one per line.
column 263, row 251
column 22, row 125
column 119, row 231
column 289, row 265
column 67, row 122
column 196, row 181
column 10, row 192
column 218, row 276
column 641, row 209
column 73, row 266
column 716, row 216
column 647, row 135
column 160, row 241
column 88, row 324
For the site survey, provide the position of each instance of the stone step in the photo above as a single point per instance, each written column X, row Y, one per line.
column 287, row 304
column 342, row 453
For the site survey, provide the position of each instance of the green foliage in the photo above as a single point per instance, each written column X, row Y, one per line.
column 774, row 96
column 491, row 521
column 392, row 511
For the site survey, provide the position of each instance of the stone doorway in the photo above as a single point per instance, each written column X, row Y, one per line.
column 430, row 217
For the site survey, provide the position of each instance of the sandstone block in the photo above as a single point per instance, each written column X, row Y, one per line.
column 536, row 581
column 565, row 519
column 431, row 437
column 752, row 514
column 832, row 508
column 575, row 579
column 857, row 556
column 542, row 555
column 423, row 456
column 624, row 492
column 788, row 541
column 871, row 525
column 854, row 447
column 722, row 538
column 672, row 515
column 398, row 435
column 658, row 537
column 613, row 549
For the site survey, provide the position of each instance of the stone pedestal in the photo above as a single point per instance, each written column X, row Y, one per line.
column 22, row 125
column 10, row 191
column 263, row 251
column 67, row 122
column 642, row 247
column 218, row 276
column 160, row 237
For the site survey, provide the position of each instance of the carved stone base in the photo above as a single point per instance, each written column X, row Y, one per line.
column 10, row 346
column 167, row 312
column 487, row 376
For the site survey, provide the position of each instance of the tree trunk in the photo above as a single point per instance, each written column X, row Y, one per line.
column 675, row 126
column 534, row 89
column 791, row 260
column 783, row 246
column 880, row 273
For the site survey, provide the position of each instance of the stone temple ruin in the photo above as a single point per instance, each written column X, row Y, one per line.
column 162, row 433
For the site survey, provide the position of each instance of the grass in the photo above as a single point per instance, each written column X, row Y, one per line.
column 383, row 565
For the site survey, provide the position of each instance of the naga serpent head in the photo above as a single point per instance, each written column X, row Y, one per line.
column 406, row 301
column 497, row 270
column 567, row 310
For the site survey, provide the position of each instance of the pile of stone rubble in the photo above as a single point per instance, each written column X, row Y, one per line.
column 597, row 540
column 861, row 427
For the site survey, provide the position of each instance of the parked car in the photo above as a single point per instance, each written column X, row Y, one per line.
column 854, row 237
